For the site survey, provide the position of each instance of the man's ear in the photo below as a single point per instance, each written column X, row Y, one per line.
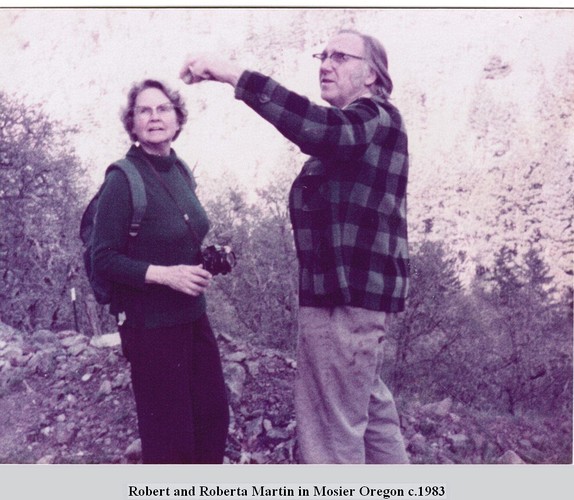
column 371, row 77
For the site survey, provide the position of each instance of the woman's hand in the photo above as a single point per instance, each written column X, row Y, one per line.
column 191, row 280
column 199, row 67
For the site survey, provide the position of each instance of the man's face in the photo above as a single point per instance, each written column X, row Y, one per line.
column 344, row 80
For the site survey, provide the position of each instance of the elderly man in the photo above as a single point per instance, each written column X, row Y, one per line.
column 348, row 211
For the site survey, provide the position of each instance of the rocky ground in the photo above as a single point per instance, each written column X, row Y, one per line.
column 66, row 398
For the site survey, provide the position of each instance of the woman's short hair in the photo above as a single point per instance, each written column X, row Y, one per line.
column 377, row 58
column 127, row 114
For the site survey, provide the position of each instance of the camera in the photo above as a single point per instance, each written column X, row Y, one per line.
column 218, row 259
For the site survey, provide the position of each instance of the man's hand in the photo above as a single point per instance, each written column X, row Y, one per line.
column 191, row 280
column 197, row 68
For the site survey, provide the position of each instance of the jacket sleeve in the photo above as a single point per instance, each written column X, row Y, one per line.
column 321, row 131
column 111, row 234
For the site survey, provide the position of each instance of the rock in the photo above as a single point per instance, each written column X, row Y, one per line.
column 106, row 340
column 525, row 443
column 538, row 441
column 440, row 409
column 47, row 431
column 68, row 333
column 7, row 330
column 46, row 459
column 283, row 453
column 43, row 362
column 44, row 337
column 105, row 389
column 253, row 428
column 13, row 355
column 478, row 440
column 236, row 357
column 244, row 458
column 417, row 444
column 121, row 380
column 532, row 456
column 258, row 457
column 267, row 425
column 235, row 379
column 64, row 433
column 444, row 459
column 134, row 450
column 277, row 434
column 76, row 339
column 510, row 457
column 73, row 403
column 253, row 367
column 455, row 418
column 428, row 427
column 77, row 349
column 12, row 380
column 225, row 337
column 291, row 363
column 458, row 442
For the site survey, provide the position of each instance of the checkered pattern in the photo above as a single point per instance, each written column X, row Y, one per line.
column 348, row 204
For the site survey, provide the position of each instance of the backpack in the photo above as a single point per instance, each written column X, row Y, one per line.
column 102, row 287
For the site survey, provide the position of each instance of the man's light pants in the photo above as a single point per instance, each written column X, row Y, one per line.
column 345, row 413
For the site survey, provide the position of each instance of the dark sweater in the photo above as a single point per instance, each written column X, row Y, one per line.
column 164, row 239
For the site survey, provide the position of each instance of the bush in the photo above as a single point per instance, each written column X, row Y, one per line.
column 39, row 247
column 262, row 289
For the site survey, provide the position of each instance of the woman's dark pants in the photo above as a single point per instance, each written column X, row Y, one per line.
column 181, row 399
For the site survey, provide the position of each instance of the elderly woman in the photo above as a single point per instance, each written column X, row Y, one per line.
column 159, row 283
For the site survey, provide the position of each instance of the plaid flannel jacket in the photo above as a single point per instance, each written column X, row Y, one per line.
column 348, row 204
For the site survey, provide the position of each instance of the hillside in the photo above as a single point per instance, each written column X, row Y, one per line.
column 66, row 399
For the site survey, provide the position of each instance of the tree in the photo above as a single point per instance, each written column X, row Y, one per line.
column 39, row 183
column 530, row 356
column 426, row 329
column 262, row 289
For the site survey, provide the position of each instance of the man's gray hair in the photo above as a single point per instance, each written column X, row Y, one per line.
column 376, row 56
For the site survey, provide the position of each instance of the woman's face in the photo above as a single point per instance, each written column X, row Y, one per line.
column 155, row 121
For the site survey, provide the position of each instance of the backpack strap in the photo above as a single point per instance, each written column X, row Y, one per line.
column 137, row 190
column 187, row 173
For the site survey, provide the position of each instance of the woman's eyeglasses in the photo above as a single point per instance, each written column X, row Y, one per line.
column 147, row 111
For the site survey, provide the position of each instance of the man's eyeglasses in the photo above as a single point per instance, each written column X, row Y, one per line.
column 147, row 111
column 336, row 57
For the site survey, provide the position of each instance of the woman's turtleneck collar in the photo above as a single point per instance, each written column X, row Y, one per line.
column 160, row 163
